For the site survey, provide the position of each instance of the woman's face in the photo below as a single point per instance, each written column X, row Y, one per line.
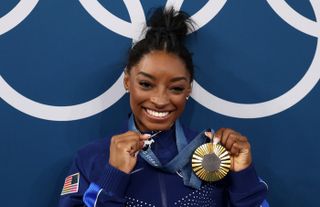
column 158, row 87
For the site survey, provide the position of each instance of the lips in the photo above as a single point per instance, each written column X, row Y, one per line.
column 157, row 114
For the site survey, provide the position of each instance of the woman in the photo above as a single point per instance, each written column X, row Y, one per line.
column 129, row 169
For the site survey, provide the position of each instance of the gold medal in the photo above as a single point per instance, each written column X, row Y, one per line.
column 211, row 162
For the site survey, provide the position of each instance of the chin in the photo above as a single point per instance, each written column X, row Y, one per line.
column 158, row 127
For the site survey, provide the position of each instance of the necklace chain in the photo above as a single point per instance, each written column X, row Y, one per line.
column 155, row 134
column 147, row 143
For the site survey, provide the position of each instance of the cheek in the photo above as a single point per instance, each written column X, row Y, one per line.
column 179, row 102
column 137, row 96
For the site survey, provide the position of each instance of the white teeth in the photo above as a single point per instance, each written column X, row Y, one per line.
column 157, row 114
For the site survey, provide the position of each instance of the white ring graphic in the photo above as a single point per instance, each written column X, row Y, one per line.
column 16, row 15
column 205, row 14
column 62, row 113
column 113, row 94
column 295, row 19
column 115, row 24
column 132, row 30
column 126, row 29
column 283, row 102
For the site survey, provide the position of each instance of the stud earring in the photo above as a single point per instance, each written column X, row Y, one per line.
column 187, row 97
column 127, row 91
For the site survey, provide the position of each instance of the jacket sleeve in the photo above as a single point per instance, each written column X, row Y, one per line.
column 246, row 189
column 105, row 188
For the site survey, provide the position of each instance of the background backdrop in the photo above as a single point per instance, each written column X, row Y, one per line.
column 257, row 69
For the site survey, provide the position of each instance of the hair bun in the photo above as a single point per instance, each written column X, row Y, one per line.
column 168, row 24
column 166, row 32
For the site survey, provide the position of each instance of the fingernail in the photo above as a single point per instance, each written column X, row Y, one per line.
column 136, row 154
column 216, row 140
column 146, row 135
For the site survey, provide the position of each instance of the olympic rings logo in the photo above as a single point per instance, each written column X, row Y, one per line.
column 131, row 30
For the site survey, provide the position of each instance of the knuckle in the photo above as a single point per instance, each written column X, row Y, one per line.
column 118, row 145
column 234, row 150
column 249, row 145
column 219, row 131
column 228, row 130
column 233, row 137
column 235, row 145
column 114, row 139
column 131, row 132
column 245, row 138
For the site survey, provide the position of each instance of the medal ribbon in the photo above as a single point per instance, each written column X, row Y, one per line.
column 181, row 162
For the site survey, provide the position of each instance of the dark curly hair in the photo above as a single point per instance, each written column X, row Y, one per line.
column 167, row 30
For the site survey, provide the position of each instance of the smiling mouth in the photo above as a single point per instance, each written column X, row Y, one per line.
column 157, row 114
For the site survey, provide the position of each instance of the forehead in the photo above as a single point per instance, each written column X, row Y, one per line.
column 160, row 63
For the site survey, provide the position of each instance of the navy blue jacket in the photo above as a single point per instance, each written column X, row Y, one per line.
column 100, row 184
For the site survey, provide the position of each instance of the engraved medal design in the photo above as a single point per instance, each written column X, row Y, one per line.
column 211, row 162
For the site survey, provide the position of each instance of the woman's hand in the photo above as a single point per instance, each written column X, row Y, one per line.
column 124, row 149
column 237, row 145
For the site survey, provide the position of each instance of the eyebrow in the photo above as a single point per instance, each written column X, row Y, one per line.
column 147, row 75
column 153, row 78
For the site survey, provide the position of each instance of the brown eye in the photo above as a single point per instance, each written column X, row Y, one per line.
column 177, row 90
column 145, row 85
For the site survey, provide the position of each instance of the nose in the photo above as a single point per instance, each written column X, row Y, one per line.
column 160, row 99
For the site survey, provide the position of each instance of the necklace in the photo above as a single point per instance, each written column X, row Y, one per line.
column 181, row 162
column 147, row 143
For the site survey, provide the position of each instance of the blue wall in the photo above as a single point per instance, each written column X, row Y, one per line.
column 257, row 62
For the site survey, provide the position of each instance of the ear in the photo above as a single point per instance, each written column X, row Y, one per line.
column 126, row 80
column 189, row 89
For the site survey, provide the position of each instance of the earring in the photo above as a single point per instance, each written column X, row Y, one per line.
column 187, row 97
column 127, row 91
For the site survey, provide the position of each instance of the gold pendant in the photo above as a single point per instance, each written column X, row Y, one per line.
column 211, row 162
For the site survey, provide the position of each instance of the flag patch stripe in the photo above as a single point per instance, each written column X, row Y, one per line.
column 71, row 184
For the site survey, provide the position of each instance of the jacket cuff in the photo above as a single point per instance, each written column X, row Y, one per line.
column 114, row 181
column 244, row 180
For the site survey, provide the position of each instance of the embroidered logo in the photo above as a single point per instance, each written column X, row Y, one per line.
column 71, row 184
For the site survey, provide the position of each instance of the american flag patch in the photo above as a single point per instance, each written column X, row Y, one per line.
column 71, row 184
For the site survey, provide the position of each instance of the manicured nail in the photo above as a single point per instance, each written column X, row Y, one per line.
column 136, row 154
column 208, row 134
column 216, row 140
column 146, row 135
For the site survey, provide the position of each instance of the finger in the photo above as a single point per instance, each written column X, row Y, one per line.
column 124, row 137
column 137, row 145
column 243, row 138
column 129, row 135
column 208, row 134
column 219, row 133
column 130, row 142
column 225, row 136
column 231, row 139
column 128, row 138
column 127, row 144
column 144, row 136
column 232, row 163
column 140, row 144
column 134, row 149
column 244, row 146
column 235, row 149
column 133, row 153
column 217, row 137
column 212, row 137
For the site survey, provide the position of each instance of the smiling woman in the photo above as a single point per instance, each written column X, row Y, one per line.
column 158, row 79
column 159, row 86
